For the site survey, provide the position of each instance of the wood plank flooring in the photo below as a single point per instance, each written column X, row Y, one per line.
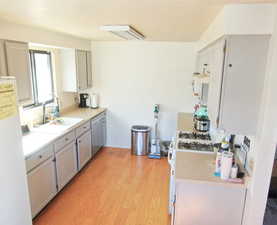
column 115, row 188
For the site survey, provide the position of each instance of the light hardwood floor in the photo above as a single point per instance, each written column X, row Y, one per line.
column 115, row 188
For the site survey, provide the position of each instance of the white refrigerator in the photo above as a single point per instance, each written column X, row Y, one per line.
column 14, row 196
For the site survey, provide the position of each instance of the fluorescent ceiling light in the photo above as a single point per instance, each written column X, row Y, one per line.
column 123, row 31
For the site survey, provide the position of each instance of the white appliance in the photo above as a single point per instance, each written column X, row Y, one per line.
column 94, row 101
column 14, row 204
column 171, row 160
column 199, row 143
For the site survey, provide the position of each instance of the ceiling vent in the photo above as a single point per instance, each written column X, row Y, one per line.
column 124, row 31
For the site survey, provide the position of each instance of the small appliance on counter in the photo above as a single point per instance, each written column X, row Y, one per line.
column 84, row 98
column 201, row 119
column 94, row 101
column 202, row 124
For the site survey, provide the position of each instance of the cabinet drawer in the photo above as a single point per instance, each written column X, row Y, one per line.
column 63, row 141
column 39, row 157
column 82, row 129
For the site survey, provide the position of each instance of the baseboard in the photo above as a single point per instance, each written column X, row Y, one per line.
column 117, row 147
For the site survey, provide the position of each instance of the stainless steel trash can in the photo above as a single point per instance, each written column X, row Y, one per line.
column 140, row 140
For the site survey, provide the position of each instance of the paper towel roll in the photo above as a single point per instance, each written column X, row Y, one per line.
column 226, row 165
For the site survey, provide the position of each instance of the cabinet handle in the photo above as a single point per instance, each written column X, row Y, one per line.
column 85, row 127
column 40, row 156
column 230, row 65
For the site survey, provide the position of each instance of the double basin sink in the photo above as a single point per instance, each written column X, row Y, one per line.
column 44, row 134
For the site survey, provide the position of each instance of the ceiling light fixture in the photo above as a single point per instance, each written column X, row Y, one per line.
column 124, row 31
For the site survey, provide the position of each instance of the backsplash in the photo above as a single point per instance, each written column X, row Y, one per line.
column 217, row 136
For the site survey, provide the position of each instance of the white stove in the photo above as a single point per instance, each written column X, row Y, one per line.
column 195, row 142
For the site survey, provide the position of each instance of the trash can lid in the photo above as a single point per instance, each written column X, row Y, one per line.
column 140, row 128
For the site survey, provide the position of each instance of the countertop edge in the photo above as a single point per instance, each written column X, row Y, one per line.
column 59, row 135
column 223, row 183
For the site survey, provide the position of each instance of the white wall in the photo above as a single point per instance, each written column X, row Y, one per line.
column 132, row 76
column 12, row 31
column 255, row 19
column 266, row 141
column 239, row 19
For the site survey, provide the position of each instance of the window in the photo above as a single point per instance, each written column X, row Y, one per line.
column 42, row 77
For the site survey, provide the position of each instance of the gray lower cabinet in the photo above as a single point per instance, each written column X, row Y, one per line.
column 66, row 164
column 94, row 136
column 99, row 132
column 42, row 185
column 104, row 130
column 200, row 203
column 52, row 167
column 84, row 149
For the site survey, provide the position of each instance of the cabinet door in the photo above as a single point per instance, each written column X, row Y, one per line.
column 89, row 69
column 84, row 149
column 215, row 204
column 81, row 61
column 42, row 185
column 244, row 74
column 216, row 73
column 95, row 139
column 66, row 164
column 99, row 133
column 3, row 67
column 18, row 65
column 103, row 131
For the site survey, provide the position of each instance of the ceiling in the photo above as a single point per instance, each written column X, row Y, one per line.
column 158, row 20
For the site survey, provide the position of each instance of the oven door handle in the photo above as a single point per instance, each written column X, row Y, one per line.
column 169, row 157
column 170, row 152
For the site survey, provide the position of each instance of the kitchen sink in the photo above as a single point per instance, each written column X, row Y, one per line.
column 58, row 125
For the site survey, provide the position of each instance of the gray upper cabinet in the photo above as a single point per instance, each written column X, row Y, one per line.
column 3, row 66
column 75, row 69
column 236, row 84
column 89, row 69
column 18, row 65
column 81, row 64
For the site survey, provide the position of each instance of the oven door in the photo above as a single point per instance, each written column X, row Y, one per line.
column 171, row 161
column 171, row 192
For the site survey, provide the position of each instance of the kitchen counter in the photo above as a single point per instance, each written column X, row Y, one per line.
column 185, row 122
column 83, row 113
column 199, row 167
column 39, row 138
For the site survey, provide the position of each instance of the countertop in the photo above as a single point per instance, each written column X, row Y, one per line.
column 199, row 167
column 83, row 113
column 37, row 139
column 185, row 122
